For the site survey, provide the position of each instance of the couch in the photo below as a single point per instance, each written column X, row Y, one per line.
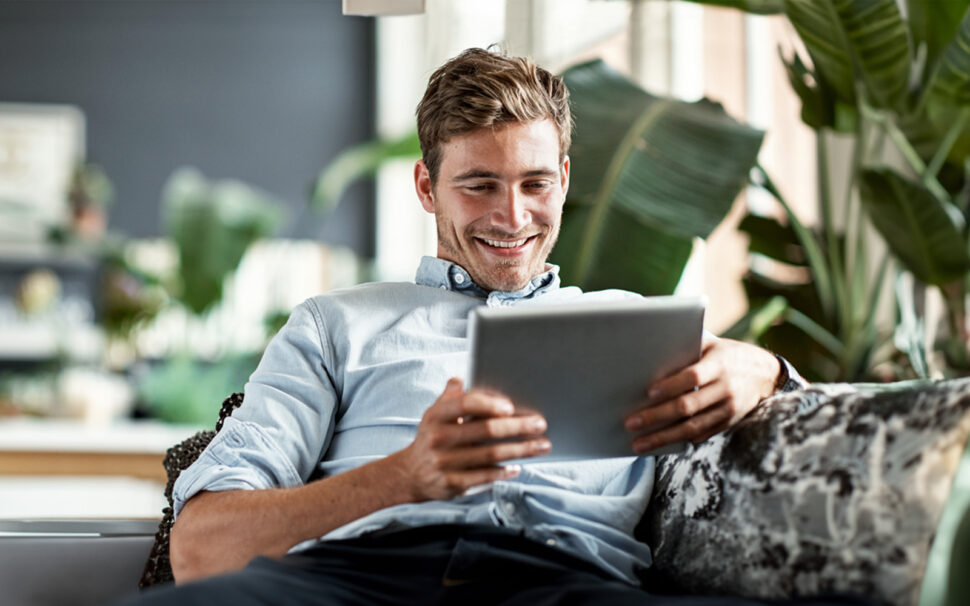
column 847, row 488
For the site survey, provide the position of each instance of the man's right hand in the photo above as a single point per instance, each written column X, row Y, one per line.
column 456, row 448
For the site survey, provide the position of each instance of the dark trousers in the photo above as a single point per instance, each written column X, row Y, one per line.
column 429, row 565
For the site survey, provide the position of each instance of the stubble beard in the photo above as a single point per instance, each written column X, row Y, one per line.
column 495, row 280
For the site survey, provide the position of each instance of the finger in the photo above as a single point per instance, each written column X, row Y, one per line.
column 689, row 378
column 492, row 454
column 446, row 401
column 483, row 430
column 478, row 430
column 694, row 429
column 476, row 403
column 686, row 379
column 453, row 387
column 674, row 410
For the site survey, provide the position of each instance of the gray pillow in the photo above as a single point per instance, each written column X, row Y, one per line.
column 834, row 488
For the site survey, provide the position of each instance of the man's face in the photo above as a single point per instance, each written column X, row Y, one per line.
column 498, row 201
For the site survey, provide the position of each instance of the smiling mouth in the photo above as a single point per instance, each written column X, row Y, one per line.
column 506, row 243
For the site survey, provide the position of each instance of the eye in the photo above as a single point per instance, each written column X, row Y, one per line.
column 479, row 187
column 538, row 185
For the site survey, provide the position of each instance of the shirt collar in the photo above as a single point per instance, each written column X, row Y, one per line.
column 439, row 273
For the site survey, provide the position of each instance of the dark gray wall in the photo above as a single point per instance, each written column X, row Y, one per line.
column 262, row 91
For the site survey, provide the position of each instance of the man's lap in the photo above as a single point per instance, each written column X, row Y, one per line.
column 437, row 564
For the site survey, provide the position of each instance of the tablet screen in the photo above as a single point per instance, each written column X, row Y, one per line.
column 585, row 367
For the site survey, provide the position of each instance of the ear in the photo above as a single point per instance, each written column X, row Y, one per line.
column 422, row 185
column 565, row 176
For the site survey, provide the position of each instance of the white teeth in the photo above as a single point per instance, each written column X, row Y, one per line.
column 502, row 244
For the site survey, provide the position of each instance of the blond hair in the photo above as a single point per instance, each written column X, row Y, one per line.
column 481, row 89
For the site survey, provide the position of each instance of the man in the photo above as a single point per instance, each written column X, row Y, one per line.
column 357, row 429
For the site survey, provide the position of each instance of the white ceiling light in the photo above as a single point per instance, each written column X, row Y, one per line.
column 376, row 8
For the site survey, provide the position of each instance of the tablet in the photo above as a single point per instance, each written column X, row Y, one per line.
column 584, row 367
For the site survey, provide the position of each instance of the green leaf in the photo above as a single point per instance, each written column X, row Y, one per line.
column 816, row 331
column 850, row 40
column 824, row 282
column 645, row 259
column 948, row 90
column 926, row 234
column 658, row 171
column 769, row 238
column 818, row 108
column 757, row 7
column 932, row 24
column 358, row 162
column 950, row 80
column 758, row 320
column 909, row 335
column 759, row 288
column 212, row 225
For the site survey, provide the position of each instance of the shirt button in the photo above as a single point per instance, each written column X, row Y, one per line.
column 510, row 508
column 551, row 542
column 459, row 279
column 443, row 287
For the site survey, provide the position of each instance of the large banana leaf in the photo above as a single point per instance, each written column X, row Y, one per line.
column 648, row 175
column 927, row 234
column 212, row 224
column 850, row 40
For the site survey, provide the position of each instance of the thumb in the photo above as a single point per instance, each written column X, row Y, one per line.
column 455, row 386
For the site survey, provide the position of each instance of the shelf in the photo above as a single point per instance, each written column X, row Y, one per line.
column 28, row 254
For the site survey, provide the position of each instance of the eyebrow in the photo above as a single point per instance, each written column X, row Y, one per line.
column 485, row 174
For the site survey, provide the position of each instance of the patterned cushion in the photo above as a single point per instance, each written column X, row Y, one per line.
column 835, row 488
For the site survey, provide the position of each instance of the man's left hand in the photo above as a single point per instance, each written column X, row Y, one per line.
column 704, row 398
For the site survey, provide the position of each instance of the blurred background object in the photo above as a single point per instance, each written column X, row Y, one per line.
column 117, row 260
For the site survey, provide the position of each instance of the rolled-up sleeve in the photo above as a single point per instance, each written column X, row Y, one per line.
column 277, row 436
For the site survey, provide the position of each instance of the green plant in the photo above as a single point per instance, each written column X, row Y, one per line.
column 212, row 224
column 896, row 76
column 183, row 389
column 821, row 321
column 649, row 174
column 359, row 161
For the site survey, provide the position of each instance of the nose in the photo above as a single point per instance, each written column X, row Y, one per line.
column 512, row 213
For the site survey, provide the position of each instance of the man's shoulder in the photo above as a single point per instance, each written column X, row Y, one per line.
column 374, row 297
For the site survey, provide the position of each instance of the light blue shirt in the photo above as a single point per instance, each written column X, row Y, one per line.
column 346, row 382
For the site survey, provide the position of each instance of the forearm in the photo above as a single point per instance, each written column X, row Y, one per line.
column 461, row 441
column 220, row 532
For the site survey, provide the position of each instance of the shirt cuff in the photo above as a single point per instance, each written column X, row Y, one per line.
column 788, row 377
column 239, row 457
